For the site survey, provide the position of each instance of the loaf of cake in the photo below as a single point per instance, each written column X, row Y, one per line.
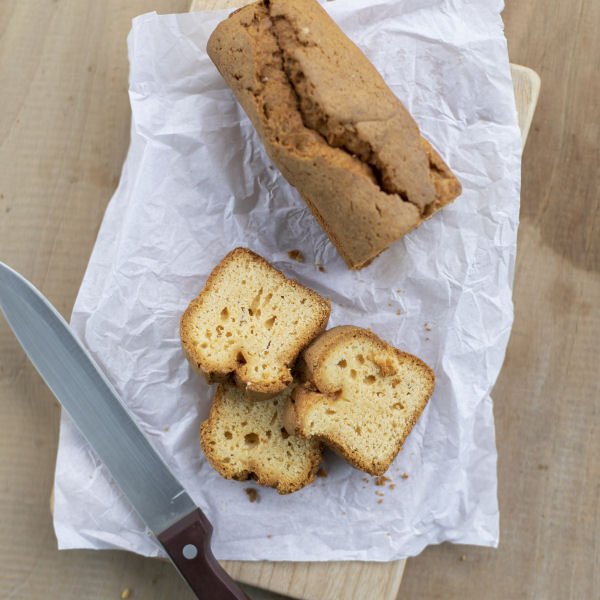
column 330, row 123
column 243, row 440
column 249, row 323
column 359, row 396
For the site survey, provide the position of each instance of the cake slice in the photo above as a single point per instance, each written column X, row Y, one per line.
column 243, row 439
column 249, row 324
column 360, row 396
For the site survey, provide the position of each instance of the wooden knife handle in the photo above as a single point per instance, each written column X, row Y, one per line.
column 188, row 544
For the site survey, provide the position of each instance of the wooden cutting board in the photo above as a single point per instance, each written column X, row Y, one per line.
column 63, row 137
column 351, row 580
column 355, row 580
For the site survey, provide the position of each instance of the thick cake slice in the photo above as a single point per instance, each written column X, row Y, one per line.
column 360, row 396
column 243, row 439
column 249, row 324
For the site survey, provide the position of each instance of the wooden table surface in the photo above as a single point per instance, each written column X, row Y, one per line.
column 64, row 130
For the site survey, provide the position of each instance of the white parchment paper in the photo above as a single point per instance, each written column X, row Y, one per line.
column 197, row 183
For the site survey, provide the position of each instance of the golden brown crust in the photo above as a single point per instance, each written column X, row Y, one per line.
column 283, row 463
column 305, row 406
column 232, row 369
column 332, row 126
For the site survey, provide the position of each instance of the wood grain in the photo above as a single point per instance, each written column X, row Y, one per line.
column 64, row 131
column 59, row 162
column 547, row 399
column 350, row 580
column 526, row 83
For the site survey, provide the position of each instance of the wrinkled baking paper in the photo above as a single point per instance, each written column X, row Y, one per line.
column 197, row 183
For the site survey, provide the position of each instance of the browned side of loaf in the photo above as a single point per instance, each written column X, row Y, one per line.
column 331, row 124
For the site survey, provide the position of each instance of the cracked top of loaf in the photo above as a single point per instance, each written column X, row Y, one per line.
column 331, row 124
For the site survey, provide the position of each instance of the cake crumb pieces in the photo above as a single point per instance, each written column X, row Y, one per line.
column 296, row 255
column 126, row 593
column 427, row 328
column 252, row 494
column 365, row 480
column 381, row 480
column 269, row 536
column 463, row 557
column 392, row 486
column 166, row 428
column 426, row 339
column 321, row 472
column 379, row 493
column 398, row 312
column 322, row 268
column 404, row 476
column 380, row 501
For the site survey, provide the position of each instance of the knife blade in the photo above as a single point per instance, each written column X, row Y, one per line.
column 94, row 405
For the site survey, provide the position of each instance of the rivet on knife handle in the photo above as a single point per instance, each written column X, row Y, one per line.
column 188, row 544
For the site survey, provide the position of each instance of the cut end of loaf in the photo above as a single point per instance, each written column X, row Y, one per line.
column 247, row 440
column 249, row 323
column 361, row 397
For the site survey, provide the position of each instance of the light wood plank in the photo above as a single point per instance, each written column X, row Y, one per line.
column 217, row 4
column 526, row 83
column 64, row 132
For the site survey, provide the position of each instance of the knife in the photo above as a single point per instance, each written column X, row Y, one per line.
column 94, row 405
